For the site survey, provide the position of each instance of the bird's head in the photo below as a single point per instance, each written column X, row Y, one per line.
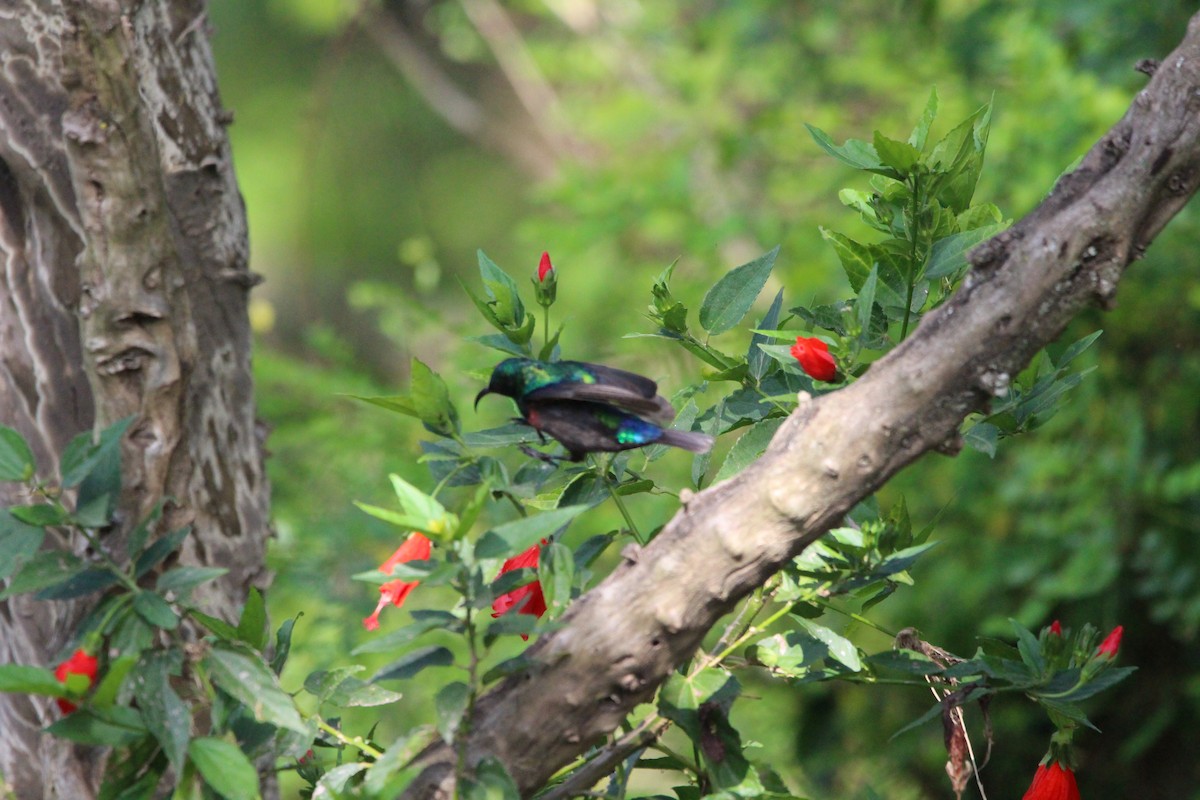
column 507, row 379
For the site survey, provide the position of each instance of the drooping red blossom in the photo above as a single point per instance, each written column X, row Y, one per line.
column 415, row 548
column 1111, row 643
column 544, row 267
column 527, row 599
column 814, row 358
column 81, row 662
column 1053, row 782
column 1056, row 628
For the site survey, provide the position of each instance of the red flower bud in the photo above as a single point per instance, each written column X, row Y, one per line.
column 1111, row 643
column 544, row 267
column 80, row 663
column 1056, row 628
column 814, row 358
column 415, row 548
column 1053, row 782
column 529, row 597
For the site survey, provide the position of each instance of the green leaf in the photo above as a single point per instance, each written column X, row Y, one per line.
column 982, row 436
column 431, row 400
column 218, row 626
column 756, row 360
column 865, row 304
column 252, row 627
column 155, row 610
column 502, row 292
column 30, row 680
column 400, row 403
column 81, row 456
column 491, row 781
column 112, row 680
column 45, row 568
column 752, row 444
column 339, row 687
column 115, row 726
column 410, row 664
column 1029, row 647
column 225, row 768
column 521, row 534
column 901, row 156
column 839, row 646
column 19, row 542
column 451, row 702
column 949, row 255
column 857, row 259
column 162, row 547
column 920, row 133
column 283, row 643
column 165, row 714
column 556, row 573
column 854, row 153
column 336, row 780
column 402, row 636
column 731, row 297
column 16, row 459
column 181, row 580
column 246, row 678
column 40, row 514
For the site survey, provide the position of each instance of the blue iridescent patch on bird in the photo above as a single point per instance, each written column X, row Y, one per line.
column 637, row 431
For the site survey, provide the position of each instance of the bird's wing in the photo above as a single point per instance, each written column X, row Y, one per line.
column 631, row 381
column 654, row 408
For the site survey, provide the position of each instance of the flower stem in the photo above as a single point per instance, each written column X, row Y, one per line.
column 356, row 742
column 913, row 234
column 612, row 491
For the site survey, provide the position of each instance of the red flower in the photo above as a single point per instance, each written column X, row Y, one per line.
column 415, row 548
column 81, row 662
column 814, row 358
column 1056, row 628
column 529, row 597
column 544, row 267
column 1053, row 782
column 1111, row 643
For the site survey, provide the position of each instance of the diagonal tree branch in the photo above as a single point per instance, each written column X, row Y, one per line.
column 623, row 638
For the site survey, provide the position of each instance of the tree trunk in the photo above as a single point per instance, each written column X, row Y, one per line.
column 124, row 248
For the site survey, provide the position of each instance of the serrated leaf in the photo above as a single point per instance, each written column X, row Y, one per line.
column 949, row 255
column 155, row 611
column 40, row 514
column 920, row 133
column 450, row 703
column 19, row 542
column 731, row 297
column 756, row 359
column 157, row 552
column 115, row 726
column 521, row 534
column 410, row 664
column 251, row 682
column 841, row 648
column 854, row 153
column 252, row 626
column 856, row 258
column 30, row 680
column 900, row 156
column 752, row 444
column 225, row 768
column 16, row 459
column 556, row 573
column 165, row 714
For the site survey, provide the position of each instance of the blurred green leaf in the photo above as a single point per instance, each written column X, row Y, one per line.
column 521, row 534
column 246, row 678
column 225, row 768
column 252, row 627
column 410, row 664
column 16, row 459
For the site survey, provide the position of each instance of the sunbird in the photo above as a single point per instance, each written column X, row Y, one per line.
column 590, row 408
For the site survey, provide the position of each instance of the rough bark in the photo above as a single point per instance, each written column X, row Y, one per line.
column 124, row 248
column 623, row 638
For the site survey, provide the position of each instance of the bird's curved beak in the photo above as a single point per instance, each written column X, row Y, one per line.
column 480, row 396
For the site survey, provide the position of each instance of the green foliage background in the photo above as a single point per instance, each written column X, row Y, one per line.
column 365, row 207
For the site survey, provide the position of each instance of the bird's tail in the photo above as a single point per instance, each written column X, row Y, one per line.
column 688, row 440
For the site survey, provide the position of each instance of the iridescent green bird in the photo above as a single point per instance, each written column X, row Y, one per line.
column 590, row 408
